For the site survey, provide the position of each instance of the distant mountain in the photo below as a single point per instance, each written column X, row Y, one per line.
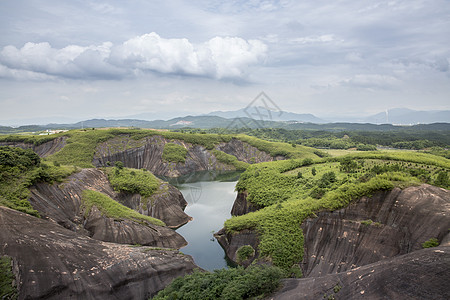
column 261, row 113
column 405, row 116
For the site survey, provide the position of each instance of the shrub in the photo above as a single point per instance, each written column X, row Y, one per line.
column 433, row 242
column 133, row 181
column 7, row 289
column 174, row 153
column 236, row 283
column 244, row 252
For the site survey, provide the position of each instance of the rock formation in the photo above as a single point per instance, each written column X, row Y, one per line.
column 52, row 262
column 371, row 230
column 241, row 206
column 420, row 275
column 147, row 154
column 166, row 204
column 43, row 150
column 375, row 228
column 62, row 204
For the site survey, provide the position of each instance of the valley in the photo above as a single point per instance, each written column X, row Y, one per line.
column 105, row 197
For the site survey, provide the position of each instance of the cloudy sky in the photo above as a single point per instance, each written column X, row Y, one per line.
column 84, row 59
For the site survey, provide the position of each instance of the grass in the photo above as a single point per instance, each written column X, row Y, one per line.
column 278, row 225
column 174, row 153
column 279, row 148
column 229, row 159
column 113, row 209
column 133, row 181
column 81, row 144
column 288, row 198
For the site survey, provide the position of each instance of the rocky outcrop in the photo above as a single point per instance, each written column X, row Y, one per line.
column 166, row 204
column 43, row 150
column 420, row 275
column 245, row 152
column 147, row 154
column 51, row 262
column 241, row 206
column 231, row 242
column 62, row 204
column 375, row 228
column 372, row 229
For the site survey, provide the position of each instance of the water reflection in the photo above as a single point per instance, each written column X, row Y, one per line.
column 209, row 203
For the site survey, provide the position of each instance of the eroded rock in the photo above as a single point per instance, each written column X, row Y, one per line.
column 43, row 150
column 52, row 262
column 422, row 274
column 374, row 228
column 62, row 204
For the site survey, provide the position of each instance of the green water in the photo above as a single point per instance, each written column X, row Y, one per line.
column 209, row 203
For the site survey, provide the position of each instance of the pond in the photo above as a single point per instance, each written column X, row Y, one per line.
column 210, row 197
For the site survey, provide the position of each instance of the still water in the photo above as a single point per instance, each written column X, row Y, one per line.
column 210, row 197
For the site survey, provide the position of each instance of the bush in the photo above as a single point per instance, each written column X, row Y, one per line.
column 174, row 153
column 433, row 242
column 133, row 181
column 7, row 289
column 238, row 283
column 244, row 252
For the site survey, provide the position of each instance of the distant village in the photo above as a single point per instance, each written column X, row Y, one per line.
column 50, row 131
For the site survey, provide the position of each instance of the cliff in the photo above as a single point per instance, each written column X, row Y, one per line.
column 62, row 204
column 420, row 275
column 43, row 150
column 51, row 262
column 147, row 154
column 375, row 228
column 385, row 225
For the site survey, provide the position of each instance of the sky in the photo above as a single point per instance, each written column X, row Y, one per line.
column 79, row 59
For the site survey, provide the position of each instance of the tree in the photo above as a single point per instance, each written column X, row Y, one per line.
column 313, row 171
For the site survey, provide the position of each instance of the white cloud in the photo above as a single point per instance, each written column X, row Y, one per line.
column 325, row 38
column 220, row 57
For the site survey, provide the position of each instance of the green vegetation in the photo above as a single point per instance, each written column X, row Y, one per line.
column 352, row 136
column 8, row 289
column 19, row 169
column 237, row 283
column 174, row 153
column 244, row 252
column 82, row 144
column 280, row 149
column 287, row 199
column 132, row 181
column 433, row 242
column 114, row 209
column 230, row 160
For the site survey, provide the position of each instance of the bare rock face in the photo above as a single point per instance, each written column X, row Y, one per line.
column 241, row 206
column 375, row 228
column 245, row 152
column 62, row 204
column 372, row 229
column 51, row 262
column 147, row 154
column 419, row 275
column 232, row 242
column 43, row 150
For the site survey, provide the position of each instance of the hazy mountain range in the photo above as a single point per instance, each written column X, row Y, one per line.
column 253, row 117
